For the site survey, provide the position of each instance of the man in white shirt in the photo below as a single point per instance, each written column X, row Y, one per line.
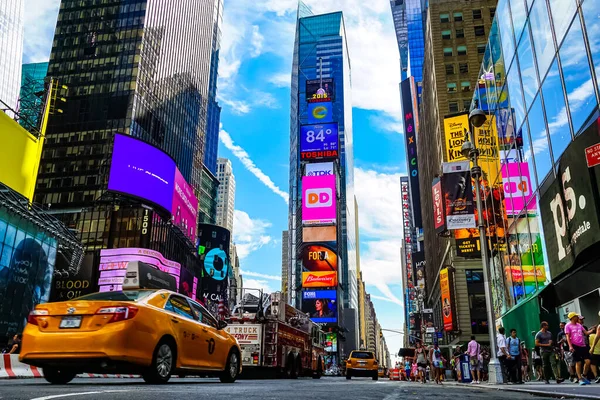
column 503, row 353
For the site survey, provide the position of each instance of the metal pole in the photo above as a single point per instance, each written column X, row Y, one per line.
column 494, row 368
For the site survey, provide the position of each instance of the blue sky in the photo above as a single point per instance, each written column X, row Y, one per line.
column 254, row 77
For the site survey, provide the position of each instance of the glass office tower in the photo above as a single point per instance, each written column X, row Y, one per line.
column 409, row 24
column 11, row 43
column 30, row 103
column 321, row 55
column 539, row 88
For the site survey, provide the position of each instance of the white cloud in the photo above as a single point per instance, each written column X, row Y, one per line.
column 262, row 284
column 243, row 156
column 249, row 234
column 40, row 21
column 265, row 99
column 259, row 275
column 237, row 106
column 257, row 41
column 282, row 79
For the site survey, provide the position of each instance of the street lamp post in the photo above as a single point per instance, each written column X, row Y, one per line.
column 469, row 150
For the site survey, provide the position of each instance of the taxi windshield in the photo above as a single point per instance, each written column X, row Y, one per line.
column 361, row 354
column 127, row 295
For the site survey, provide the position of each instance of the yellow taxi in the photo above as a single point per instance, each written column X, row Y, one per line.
column 155, row 333
column 362, row 363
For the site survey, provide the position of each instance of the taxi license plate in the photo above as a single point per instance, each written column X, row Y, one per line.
column 70, row 323
column 362, row 363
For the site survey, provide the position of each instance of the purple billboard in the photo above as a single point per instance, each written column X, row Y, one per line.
column 141, row 170
column 185, row 207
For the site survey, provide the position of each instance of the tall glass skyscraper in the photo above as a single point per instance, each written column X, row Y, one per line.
column 30, row 105
column 321, row 60
column 11, row 43
column 409, row 16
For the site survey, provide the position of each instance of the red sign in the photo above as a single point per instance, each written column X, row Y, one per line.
column 319, row 279
column 592, row 155
column 439, row 222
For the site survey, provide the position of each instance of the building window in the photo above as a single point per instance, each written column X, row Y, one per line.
column 449, row 69
column 467, row 104
column 463, row 68
column 460, row 33
column 476, row 292
column 462, row 50
column 447, row 34
column 476, row 14
column 453, row 107
column 448, row 52
column 492, row 12
column 479, row 30
column 451, row 87
column 465, row 86
column 481, row 49
column 458, row 17
column 444, row 18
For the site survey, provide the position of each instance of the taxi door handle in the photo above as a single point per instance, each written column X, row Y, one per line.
column 204, row 330
column 174, row 320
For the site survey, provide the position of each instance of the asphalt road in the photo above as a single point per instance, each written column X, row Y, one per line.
column 302, row 389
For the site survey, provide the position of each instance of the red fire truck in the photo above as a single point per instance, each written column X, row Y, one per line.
column 276, row 338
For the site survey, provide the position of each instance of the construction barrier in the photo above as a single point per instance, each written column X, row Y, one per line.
column 11, row 368
column 395, row 374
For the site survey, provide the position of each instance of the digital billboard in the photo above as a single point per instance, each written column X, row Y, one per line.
column 321, row 305
column 185, row 207
column 319, row 200
column 319, row 138
column 331, row 342
column 320, row 90
column 319, row 258
column 318, row 169
column 458, row 195
column 319, row 279
column 213, row 248
column 447, row 307
column 141, row 170
column 319, row 113
column 113, row 266
column 517, row 183
column 312, row 234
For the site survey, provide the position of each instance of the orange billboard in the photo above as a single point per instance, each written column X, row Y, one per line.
column 319, row 279
column 445, row 283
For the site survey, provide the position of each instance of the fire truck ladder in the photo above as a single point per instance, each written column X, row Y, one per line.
column 271, row 343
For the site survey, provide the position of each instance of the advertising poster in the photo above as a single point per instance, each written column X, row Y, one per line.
column 318, row 137
column 78, row 285
column 428, row 320
column 454, row 136
column 458, row 195
column 312, row 234
column 447, row 308
column 517, row 188
column 319, row 113
column 439, row 219
column 569, row 217
column 418, row 258
column 186, row 283
column 468, row 247
column 319, row 200
column 321, row 305
column 319, row 258
column 318, row 169
column 113, row 265
column 141, row 170
column 185, row 207
column 319, row 279
column 320, row 90
column 505, row 124
column 213, row 249
column 331, row 342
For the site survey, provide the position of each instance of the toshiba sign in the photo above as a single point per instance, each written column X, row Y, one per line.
column 319, row 279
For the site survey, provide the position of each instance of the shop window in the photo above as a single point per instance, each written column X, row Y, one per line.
column 479, row 30
column 449, row 69
column 451, row 87
column 452, row 107
column 458, row 17
column 460, row 33
column 462, row 50
column 477, row 14
column 465, row 86
column 463, row 68
column 444, row 18
column 448, row 52
column 447, row 34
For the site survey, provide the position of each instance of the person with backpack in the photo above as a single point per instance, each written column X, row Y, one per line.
column 513, row 343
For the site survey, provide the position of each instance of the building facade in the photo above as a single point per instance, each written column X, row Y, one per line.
column 321, row 93
column 539, row 88
column 225, row 194
column 11, row 58
column 455, row 39
column 284, row 263
column 30, row 103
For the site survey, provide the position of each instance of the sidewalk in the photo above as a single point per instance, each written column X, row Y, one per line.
column 565, row 389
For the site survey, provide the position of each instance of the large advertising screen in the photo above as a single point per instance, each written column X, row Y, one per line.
column 319, row 200
column 319, row 90
column 517, row 188
column 321, row 305
column 458, row 195
column 141, row 170
column 318, row 169
column 312, row 234
column 185, row 207
column 319, row 258
column 319, row 279
column 213, row 248
column 113, row 265
column 319, row 113
column 319, row 137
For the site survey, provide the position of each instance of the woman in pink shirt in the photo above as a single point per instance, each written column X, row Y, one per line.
column 575, row 338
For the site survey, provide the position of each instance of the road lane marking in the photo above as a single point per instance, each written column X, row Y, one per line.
column 60, row 396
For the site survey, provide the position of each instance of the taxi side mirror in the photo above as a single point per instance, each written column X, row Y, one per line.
column 221, row 324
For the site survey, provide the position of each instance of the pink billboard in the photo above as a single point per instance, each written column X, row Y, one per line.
column 185, row 207
column 517, row 188
column 319, row 200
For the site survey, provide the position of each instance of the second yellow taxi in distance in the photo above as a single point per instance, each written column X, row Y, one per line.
column 156, row 333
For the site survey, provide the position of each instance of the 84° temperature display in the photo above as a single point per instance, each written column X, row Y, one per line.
column 319, row 137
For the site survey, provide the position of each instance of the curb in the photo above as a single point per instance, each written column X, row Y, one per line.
column 510, row 388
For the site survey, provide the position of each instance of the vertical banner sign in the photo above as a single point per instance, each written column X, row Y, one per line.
column 439, row 220
column 410, row 133
column 406, row 221
column 447, row 314
column 146, row 232
column 458, row 195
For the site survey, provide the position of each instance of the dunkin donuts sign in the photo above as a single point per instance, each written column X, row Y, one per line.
column 319, row 279
column 319, row 200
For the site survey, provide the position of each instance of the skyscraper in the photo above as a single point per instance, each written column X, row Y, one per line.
column 321, row 206
column 30, row 104
column 11, row 43
column 226, row 194
column 409, row 17
column 284, row 263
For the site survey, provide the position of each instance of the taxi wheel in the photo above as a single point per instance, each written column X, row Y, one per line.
column 58, row 377
column 163, row 364
column 232, row 367
column 348, row 375
column 376, row 376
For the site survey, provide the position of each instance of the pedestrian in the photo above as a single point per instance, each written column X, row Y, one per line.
column 407, row 369
column 485, row 362
column 537, row 363
column 421, row 356
column 16, row 344
column 474, row 351
column 503, row 354
column 414, row 372
column 513, row 343
column 567, row 356
column 437, row 363
column 543, row 340
column 576, row 338
column 456, row 358
column 524, row 362
column 595, row 351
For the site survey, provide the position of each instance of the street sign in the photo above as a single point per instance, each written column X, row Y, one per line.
column 592, row 155
column 440, row 335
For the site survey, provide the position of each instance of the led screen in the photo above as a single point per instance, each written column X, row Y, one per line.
column 319, row 200
column 319, row 137
column 319, row 258
column 185, row 207
column 321, row 305
column 319, row 90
